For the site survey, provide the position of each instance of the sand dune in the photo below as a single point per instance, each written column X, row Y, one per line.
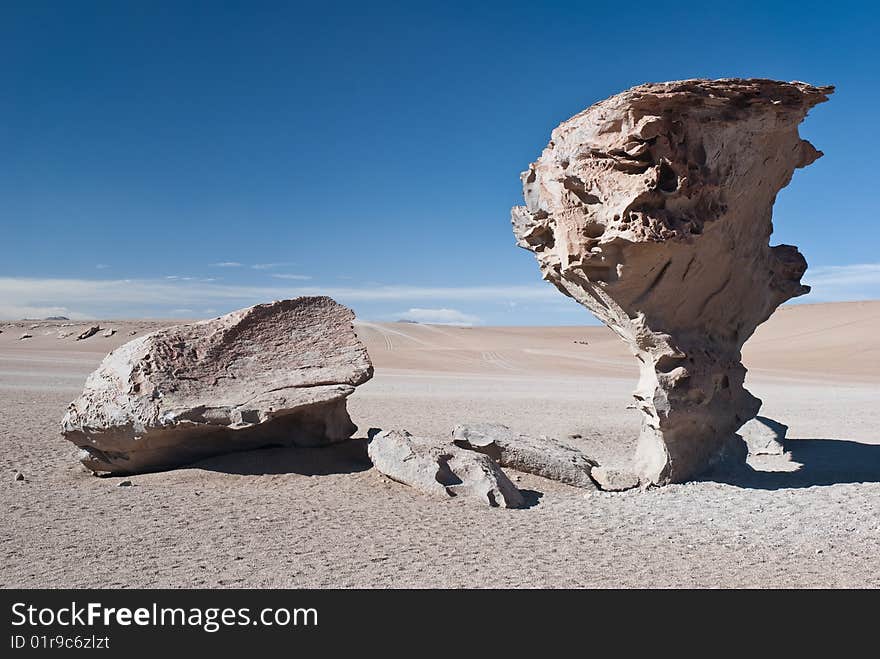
column 288, row 518
column 806, row 341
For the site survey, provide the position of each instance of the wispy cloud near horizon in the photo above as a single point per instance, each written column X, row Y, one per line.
column 438, row 317
column 96, row 298
column 146, row 297
column 841, row 283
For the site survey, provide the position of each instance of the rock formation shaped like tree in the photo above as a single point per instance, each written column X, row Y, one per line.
column 653, row 209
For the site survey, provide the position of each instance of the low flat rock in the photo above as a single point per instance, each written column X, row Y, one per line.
column 614, row 480
column 271, row 374
column 540, row 456
column 91, row 331
column 764, row 436
column 442, row 469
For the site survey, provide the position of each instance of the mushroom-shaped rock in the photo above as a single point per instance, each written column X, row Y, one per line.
column 271, row 374
column 653, row 209
column 540, row 456
column 442, row 469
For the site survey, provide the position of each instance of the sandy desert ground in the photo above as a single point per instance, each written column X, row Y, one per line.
column 324, row 518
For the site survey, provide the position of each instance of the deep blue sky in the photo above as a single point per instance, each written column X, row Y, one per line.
column 369, row 146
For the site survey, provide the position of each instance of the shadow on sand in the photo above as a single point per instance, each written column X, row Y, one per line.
column 823, row 462
column 345, row 457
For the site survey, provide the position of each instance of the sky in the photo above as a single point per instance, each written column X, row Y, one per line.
column 184, row 159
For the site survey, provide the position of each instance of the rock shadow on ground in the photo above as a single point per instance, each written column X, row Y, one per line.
column 823, row 462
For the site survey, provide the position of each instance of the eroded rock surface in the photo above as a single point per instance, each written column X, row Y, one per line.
column 540, row 456
column 442, row 469
column 271, row 374
column 653, row 209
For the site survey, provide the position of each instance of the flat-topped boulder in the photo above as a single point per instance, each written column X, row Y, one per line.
column 653, row 209
column 271, row 374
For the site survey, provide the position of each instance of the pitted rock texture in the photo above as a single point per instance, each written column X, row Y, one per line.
column 653, row 209
column 442, row 469
column 541, row 456
column 271, row 374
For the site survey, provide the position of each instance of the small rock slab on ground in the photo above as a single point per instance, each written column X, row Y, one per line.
column 442, row 469
column 91, row 331
column 540, row 456
column 24, row 336
column 109, row 333
column 614, row 480
column 764, row 436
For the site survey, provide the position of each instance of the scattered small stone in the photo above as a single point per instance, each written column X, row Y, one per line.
column 109, row 333
column 64, row 335
column 575, row 435
column 132, row 332
column 19, row 476
column 24, row 336
column 124, row 484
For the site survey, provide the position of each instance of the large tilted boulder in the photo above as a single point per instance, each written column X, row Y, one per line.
column 271, row 374
column 540, row 456
column 653, row 209
column 442, row 469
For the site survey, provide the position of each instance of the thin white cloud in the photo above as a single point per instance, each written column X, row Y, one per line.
column 293, row 277
column 439, row 317
column 270, row 266
column 839, row 283
column 101, row 266
column 227, row 264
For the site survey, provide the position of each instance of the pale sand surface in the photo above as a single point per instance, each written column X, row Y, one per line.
column 323, row 518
